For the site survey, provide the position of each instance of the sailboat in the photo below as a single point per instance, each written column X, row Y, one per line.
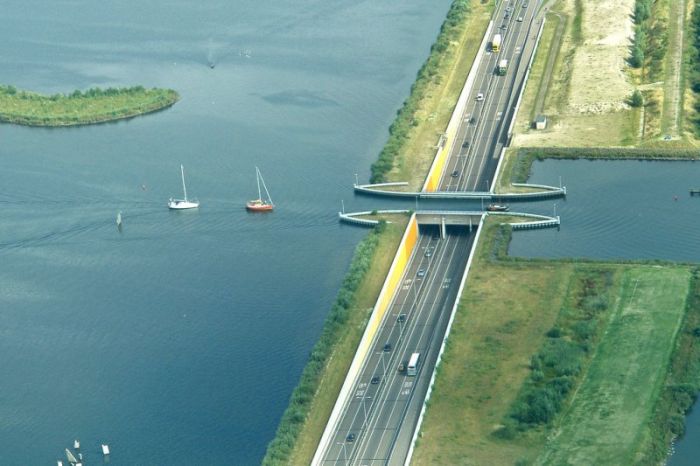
column 179, row 204
column 260, row 204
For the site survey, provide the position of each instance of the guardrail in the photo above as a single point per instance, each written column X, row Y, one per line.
column 353, row 216
column 547, row 192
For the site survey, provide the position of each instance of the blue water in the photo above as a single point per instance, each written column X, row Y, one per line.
column 617, row 210
column 179, row 340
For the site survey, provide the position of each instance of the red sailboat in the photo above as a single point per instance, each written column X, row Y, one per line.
column 260, row 204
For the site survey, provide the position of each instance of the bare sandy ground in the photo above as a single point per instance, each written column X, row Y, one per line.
column 598, row 80
column 589, row 89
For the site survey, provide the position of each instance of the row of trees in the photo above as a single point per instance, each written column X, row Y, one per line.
column 556, row 367
column 77, row 94
column 650, row 40
column 406, row 115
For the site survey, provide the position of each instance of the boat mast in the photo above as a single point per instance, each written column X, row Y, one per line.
column 264, row 186
column 184, row 189
column 257, row 177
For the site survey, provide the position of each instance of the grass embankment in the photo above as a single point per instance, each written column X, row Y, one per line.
column 313, row 399
column 81, row 108
column 579, row 351
column 410, row 149
column 693, row 60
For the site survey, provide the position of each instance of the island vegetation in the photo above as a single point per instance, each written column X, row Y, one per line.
column 92, row 106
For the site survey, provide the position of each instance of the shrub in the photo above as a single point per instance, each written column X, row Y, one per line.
column 636, row 100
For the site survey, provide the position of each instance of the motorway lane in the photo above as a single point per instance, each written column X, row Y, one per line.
column 376, row 413
column 477, row 163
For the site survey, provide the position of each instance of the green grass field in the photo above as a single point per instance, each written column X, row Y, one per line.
column 81, row 108
column 610, row 413
column 505, row 313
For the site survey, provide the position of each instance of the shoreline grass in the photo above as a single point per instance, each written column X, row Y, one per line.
column 81, row 108
column 312, row 401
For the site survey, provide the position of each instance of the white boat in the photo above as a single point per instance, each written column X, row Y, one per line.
column 71, row 457
column 105, row 449
column 180, row 204
column 76, row 442
column 60, row 463
column 119, row 225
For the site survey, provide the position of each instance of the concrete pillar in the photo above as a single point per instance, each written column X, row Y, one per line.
column 443, row 229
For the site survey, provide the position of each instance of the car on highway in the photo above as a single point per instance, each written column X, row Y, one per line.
column 421, row 272
column 472, row 121
column 402, row 366
column 387, row 347
column 465, row 144
column 504, row 26
column 520, row 19
column 401, row 318
column 454, row 174
column 350, row 438
column 375, row 380
column 428, row 253
column 480, row 97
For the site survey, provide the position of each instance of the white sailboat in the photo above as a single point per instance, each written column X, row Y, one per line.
column 260, row 204
column 180, row 204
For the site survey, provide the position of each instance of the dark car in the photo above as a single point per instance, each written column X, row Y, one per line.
column 472, row 121
column 465, row 144
column 401, row 318
column 375, row 380
column 402, row 366
column 387, row 347
column 455, row 174
column 350, row 438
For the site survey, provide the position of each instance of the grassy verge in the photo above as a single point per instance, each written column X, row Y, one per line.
column 682, row 382
column 609, row 417
column 410, row 150
column 81, row 108
column 605, row 331
column 501, row 321
column 313, row 399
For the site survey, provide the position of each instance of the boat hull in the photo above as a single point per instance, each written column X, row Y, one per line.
column 259, row 206
column 178, row 204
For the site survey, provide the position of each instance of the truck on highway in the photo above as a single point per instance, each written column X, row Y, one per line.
column 502, row 67
column 496, row 43
column 412, row 369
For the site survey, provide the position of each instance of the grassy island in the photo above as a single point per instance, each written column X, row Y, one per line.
column 81, row 108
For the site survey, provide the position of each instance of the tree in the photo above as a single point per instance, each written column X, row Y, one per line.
column 636, row 100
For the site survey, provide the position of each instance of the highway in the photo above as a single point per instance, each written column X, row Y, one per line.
column 482, row 133
column 379, row 418
column 378, row 421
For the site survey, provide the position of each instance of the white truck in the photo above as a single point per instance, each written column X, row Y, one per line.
column 502, row 67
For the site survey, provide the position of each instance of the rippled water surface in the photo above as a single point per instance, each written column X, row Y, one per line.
column 617, row 209
column 180, row 340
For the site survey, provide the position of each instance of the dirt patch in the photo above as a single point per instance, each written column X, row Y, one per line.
column 607, row 30
column 590, row 84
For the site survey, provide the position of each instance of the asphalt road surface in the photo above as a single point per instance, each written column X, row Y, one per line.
column 377, row 423
column 482, row 134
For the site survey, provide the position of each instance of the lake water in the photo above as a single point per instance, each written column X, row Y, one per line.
column 180, row 340
column 617, row 210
